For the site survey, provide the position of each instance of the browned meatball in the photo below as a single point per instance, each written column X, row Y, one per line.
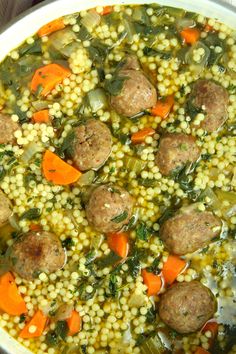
column 36, row 252
column 185, row 307
column 137, row 93
column 175, row 150
column 189, row 230
column 109, row 208
column 7, row 129
column 92, row 145
column 5, row 209
column 213, row 99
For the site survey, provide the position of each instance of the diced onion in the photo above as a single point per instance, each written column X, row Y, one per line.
column 30, row 150
column 185, row 23
column 91, row 20
column 97, row 99
column 86, row 179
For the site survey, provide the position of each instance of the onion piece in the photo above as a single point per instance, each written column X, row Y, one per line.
column 64, row 312
column 97, row 99
column 185, row 23
column 86, row 179
column 14, row 222
column 189, row 57
column 60, row 39
column 130, row 30
column 39, row 105
column 30, row 150
column 91, row 20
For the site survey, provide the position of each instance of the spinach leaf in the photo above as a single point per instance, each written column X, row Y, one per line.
column 83, row 294
column 134, row 261
column 153, row 52
column 115, row 84
column 182, row 175
column 68, row 243
column 33, row 48
column 143, row 232
column 113, row 285
column 31, row 214
column 22, row 115
column 62, row 329
column 108, row 260
column 68, row 144
column 52, row 339
column 98, row 51
column 154, row 268
column 192, row 110
column 121, row 217
column 84, row 34
column 151, row 315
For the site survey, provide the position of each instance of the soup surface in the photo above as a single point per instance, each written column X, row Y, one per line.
column 117, row 177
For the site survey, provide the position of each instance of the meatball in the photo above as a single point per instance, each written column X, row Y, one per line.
column 189, row 230
column 5, row 209
column 91, row 145
column 174, row 151
column 185, row 307
column 109, row 208
column 137, row 93
column 36, row 252
column 7, row 129
column 213, row 99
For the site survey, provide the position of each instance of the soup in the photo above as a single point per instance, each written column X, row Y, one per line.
column 117, row 177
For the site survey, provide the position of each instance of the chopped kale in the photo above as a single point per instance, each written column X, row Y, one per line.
column 121, row 217
column 115, row 85
column 68, row 243
column 106, row 261
column 143, row 232
column 31, row 214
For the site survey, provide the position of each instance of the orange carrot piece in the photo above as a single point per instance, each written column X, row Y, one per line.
column 119, row 243
column 190, row 35
column 47, row 77
column 140, row 136
column 211, row 326
column 35, row 227
column 51, row 27
column 163, row 107
column 152, row 281
column 172, row 268
column 201, row 350
column 106, row 10
column 41, row 116
column 74, row 323
column 34, row 328
column 58, row 171
column 208, row 28
column 11, row 301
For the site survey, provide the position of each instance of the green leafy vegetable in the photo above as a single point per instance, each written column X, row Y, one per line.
column 31, row 214
column 192, row 110
column 98, row 51
column 121, row 217
column 84, row 34
column 154, row 268
column 33, row 48
column 143, row 232
column 134, row 261
column 115, row 85
column 113, row 285
column 106, row 261
column 62, row 329
column 83, row 294
column 153, row 52
column 68, row 243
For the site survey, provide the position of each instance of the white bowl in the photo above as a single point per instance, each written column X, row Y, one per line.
column 24, row 26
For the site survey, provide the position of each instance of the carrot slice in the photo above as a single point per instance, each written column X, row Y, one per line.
column 11, row 301
column 163, row 107
column 190, row 35
column 34, row 328
column 47, row 77
column 74, row 323
column 172, row 268
column 106, row 10
column 119, row 243
column 140, row 136
column 152, row 281
column 35, row 227
column 211, row 326
column 58, row 171
column 51, row 27
column 41, row 116
column 201, row 350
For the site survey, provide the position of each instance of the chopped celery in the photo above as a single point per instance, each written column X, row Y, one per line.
column 134, row 164
column 153, row 345
column 228, row 203
column 97, row 99
column 91, row 20
column 86, row 179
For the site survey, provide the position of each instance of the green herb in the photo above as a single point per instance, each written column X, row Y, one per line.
column 113, row 285
column 97, row 51
column 131, row 223
column 134, row 261
column 83, row 349
column 29, row 177
column 153, row 52
column 147, row 182
column 22, row 115
column 39, row 90
column 154, row 268
column 121, row 217
column 232, row 89
column 68, row 144
column 83, row 294
column 31, row 214
column 206, row 157
column 108, row 260
column 34, row 48
column 143, row 232
column 192, row 110
column 2, row 172
column 90, row 257
column 115, row 85
column 151, row 315
column 22, row 318
column 68, row 243
column 61, row 329
column 52, row 339
column 84, row 34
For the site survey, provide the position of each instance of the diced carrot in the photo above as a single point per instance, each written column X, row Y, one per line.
column 34, row 328
column 211, row 326
column 35, row 227
column 172, row 268
column 106, row 10
column 74, row 323
column 58, row 171
column 11, row 301
column 208, row 28
column 51, row 27
column 152, row 281
column 119, row 243
column 47, row 77
column 200, row 350
column 41, row 116
column 163, row 107
column 190, row 35
column 140, row 136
